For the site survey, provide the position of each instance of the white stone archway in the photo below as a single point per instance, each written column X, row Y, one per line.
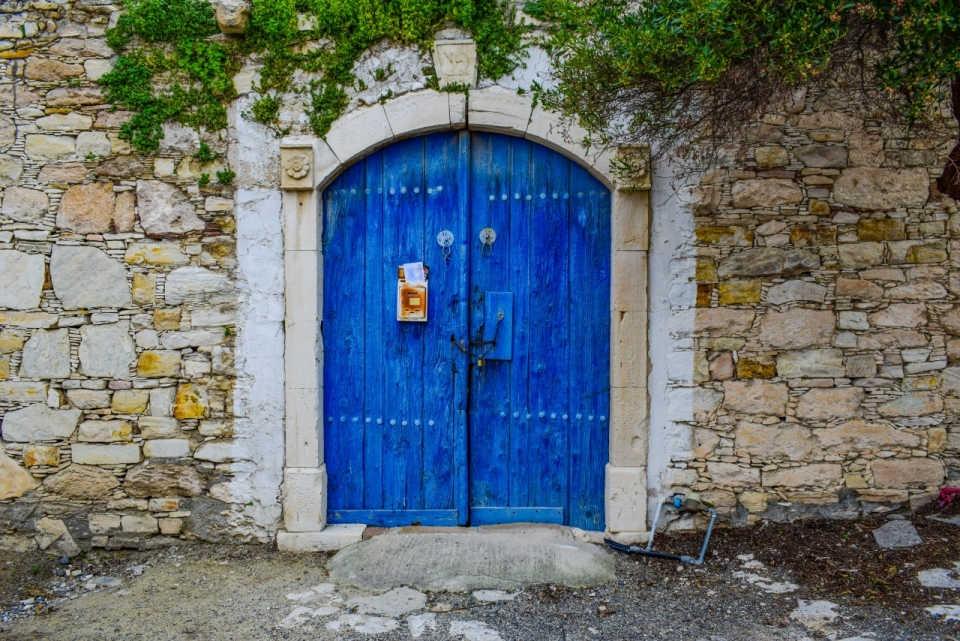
column 310, row 163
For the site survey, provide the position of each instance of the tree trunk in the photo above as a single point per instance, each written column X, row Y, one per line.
column 949, row 182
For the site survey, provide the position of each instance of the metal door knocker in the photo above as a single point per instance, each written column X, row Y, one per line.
column 487, row 238
column 445, row 240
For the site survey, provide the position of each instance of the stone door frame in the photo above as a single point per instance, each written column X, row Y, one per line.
column 309, row 163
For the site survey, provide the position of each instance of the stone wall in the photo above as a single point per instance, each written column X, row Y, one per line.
column 826, row 341
column 118, row 306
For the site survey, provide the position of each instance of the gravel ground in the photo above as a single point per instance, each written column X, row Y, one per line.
column 203, row 592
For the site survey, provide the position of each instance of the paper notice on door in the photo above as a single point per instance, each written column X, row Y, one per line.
column 414, row 273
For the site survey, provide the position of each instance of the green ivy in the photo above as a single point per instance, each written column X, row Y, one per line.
column 174, row 66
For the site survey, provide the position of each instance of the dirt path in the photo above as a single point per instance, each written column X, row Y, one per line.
column 213, row 593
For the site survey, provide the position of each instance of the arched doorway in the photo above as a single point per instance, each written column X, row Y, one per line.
column 496, row 408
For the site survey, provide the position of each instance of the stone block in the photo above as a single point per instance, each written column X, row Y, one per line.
column 762, row 367
column 14, row 480
column 104, row 523
column 158, row 364
column 330, row 539
column 88, row 399
column 830, row 404
column 499, row 109
column 46, row 147
column 144, row 290
column 191, row 402
column 304, row 443
column 166, row 448
column 861, row 255
column 705, row 442
column 197, row 284
column 45, row 455
column 768, row 261
column 754, row 502
column 813, row 475
column 106, row 431
column 725, row 236
column 907, row 472
column 811, row 363
column 162, row 400
column 788, row 441
column 165, row 210
column 24, row 205
column 628, row 427
column 170, row 527
column 132, row 401
column 733, row 475
column 418, row 112
column 86, row 277
column 722, row 368
column 755, row 397
column 23, row 392
column 724, row 322
column 629, row 286
column 81, row 482
column 153, row 478
column 853, row 321
column 879, row 229
column 861, row 366
column 797, row 328
column 89, row 454
column 107, row 351
column 900, row 315
column 139, row 524
column 46, row 355
column 358, row 131
column 626, row 499
column 72, row 121
column 628, row 366
column 822, row 156
column 157, row 427
column 870, row 188
column 813, row 235
column 912, row 404
column 232, row 15
column 219, row 429
column 796, row 290
column 772, row 156
column 163, row 254
column 899, row 338
column 218, row 451
column 93, row 144
column 304, row 499
column 770, row 192
column 21, row 280
column 39, row 423
column 736, row 292
column 67, row 173
column 858, row 289
column 920, row 290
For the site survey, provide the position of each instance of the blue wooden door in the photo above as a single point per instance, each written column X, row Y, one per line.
column 495, row 410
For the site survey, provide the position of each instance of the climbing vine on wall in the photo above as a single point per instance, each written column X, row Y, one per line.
column 175, row 66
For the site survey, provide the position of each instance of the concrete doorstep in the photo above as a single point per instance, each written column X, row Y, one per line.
column 467, row 559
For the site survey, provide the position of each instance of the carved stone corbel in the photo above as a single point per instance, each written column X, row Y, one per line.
column 296, row 166
column 631, row 168
column 455, row 62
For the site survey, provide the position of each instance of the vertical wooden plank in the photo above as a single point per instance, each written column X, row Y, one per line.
column 394, row 341
column 374, row 353
column 441, row 212
column 589, row 357
column 343, row 336
column 462, row 362
column 490, row 408
column 548, row 305
column 522, row 446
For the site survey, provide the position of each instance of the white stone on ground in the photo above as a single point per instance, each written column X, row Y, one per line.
column 394, row 603
column 940, row 577
column 816, row 615
column 765, row 584
column 749, row 563
column 322, row 591
column 364, row 624
column 897, row 534
column 473, row 631
column 419, row 623
column 492, row 596
column 946, row 612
